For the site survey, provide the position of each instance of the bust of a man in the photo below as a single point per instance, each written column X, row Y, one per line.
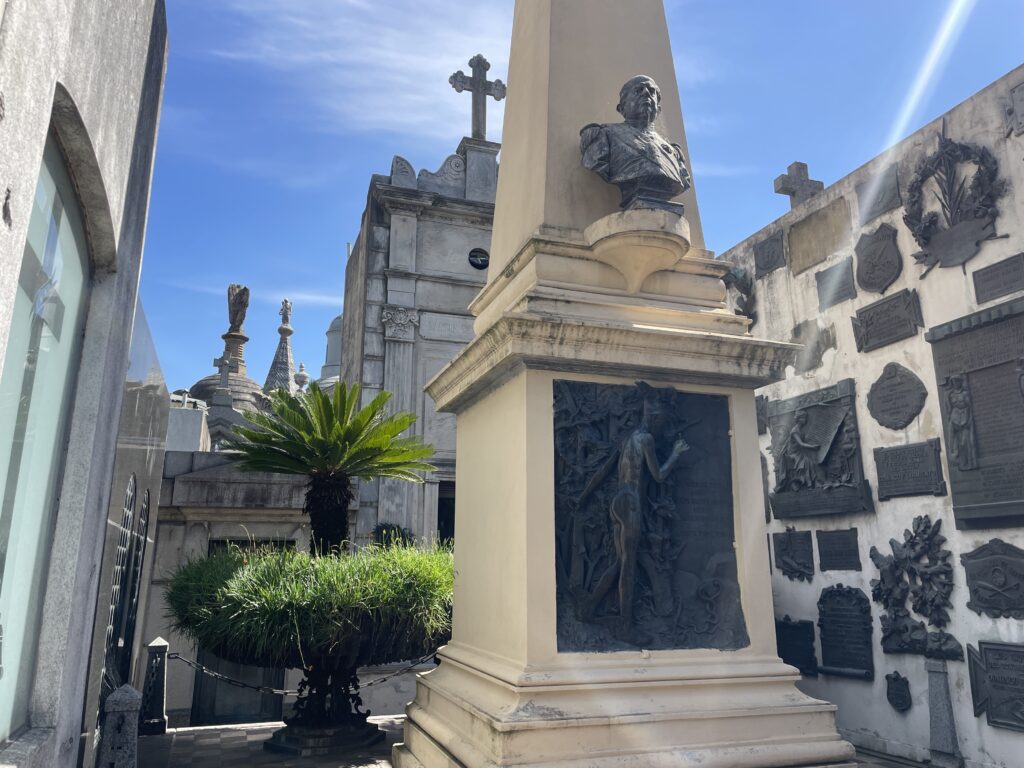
column 648, row 169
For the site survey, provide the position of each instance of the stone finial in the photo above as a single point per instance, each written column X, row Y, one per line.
column 301, row 377
column 797, row 184
column 481, row 88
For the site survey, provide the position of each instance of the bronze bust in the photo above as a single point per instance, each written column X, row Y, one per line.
column 648, row 169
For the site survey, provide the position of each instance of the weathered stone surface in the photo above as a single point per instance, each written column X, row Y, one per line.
column 910, row 470
column 816, row 447
column 692, row 601
column 844, row 621
column 819, row 235
column 835, row 284
column 879, row 261
column 943, row 743
column 897, row 398
column 794, row 554
column 838, row 550
column 997, row 683
column 897, row 691
column 769, row 255
column 817, row 340
column 878, row 195
column 995, row 579
column 887, row 321
column 795, row 644
column 981, row 383
column 119, row 745
column 999, row 279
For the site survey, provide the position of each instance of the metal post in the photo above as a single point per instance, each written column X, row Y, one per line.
column 154, row 690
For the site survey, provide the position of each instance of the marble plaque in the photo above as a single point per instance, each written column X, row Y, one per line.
column 838, row 550
column 995, row 579
column 878, row 195
column 835, row 284
column 979, row 366
column 795, row 644
column 685, row 591
column 816, row 450
column 1000, row 279
column 844, row 621
column 910, row 470
column 887, row 321
column 446, row 327
column 819, row 235
column 794, row 554
column 879, row 262
column 997, row 683
column 769, row 255
column 897, row 397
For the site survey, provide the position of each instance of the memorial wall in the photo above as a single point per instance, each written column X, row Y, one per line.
column 894, row 450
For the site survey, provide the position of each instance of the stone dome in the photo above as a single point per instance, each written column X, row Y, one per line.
column 246, row 394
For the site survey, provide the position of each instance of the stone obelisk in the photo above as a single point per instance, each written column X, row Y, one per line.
column 612, row 600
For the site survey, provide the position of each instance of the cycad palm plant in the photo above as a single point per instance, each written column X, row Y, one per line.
column 329, row 438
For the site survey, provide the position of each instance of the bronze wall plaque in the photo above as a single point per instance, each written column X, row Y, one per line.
column 897, row 691
column 879, row 262
column 910, row 470
column 897, row 397
column 820, row 234
column 995, row 579
column 644, row 543
column 1000, row 279
column 769, row 255
column 835, row 284
column 979, row 366
column 838, row 550
column 887, row 321
column 844, row 620
column 794, row 554
column 795, row 644
column 997, row 683
column 878, row 195
column 816, row 448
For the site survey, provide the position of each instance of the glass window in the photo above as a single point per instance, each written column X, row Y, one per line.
column 36, row 388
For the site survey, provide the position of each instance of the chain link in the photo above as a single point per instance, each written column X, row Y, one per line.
column 281, row 691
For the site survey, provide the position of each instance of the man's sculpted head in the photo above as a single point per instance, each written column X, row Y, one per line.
column 640, row 100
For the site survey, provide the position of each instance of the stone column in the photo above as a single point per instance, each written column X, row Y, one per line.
column 396, row 502
column 945, row 747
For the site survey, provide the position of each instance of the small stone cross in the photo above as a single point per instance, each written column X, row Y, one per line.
column 223, row 365
column 796, row 183
column 481, row 88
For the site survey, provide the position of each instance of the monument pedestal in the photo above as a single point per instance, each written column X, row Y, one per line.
column 542, row 669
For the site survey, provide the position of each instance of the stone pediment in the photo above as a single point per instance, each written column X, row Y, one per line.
column 448, row 180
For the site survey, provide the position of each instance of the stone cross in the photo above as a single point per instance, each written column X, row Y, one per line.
column 223, row 366
column 481, row 88
column 796, row 183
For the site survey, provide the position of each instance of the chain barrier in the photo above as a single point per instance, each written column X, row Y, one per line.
column 284, row 692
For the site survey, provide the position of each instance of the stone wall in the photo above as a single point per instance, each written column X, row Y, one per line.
column 844, row 274
column 92, row 73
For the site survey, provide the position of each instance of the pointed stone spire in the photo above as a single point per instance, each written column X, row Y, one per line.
column 282, row 370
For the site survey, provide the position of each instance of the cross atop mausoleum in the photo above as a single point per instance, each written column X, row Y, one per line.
column 796, row 183
column 481, row 88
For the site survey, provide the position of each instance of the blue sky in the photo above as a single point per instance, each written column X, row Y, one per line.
column 276, row 113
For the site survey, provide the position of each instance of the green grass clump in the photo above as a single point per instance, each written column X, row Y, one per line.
column 283, row 608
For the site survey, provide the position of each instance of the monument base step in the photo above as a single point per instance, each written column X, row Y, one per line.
column 463, row 718
column 300, row 741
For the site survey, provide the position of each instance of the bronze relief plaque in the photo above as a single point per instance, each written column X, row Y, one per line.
column 644, row 540
column 997, row 683
column 879, row 262
column 999, row 279
column 795, row 644
column 995, row 579
column 794, row 554
column 769, row 255
column 910, row 470
column 897, row 397
column 887, row 321
column 838, row 550
column 979, row 366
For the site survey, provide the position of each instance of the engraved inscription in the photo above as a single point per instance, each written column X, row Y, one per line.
column 888, row 320
column 795, row 645
column 997, row 683
column 835, row 284
column 910, row 470
column 838, row 550
column 897, row 397
column 1000, row 279
column 844, row 620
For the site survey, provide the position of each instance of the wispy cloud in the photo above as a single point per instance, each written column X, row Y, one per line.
column 367, row 70
column 264, row 294
column 725, row 170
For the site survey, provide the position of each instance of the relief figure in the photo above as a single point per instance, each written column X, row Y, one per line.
column 962, row 445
